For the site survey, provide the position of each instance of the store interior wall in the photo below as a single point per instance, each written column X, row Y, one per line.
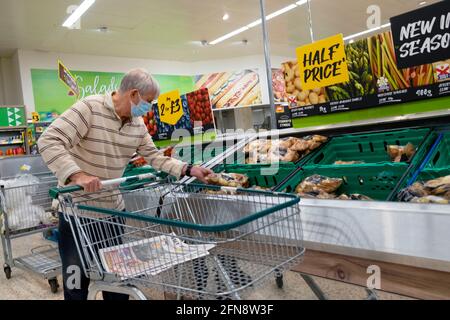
column 28, row 60
column 10, row 84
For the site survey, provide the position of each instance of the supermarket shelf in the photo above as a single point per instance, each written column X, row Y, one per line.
column 13, row 128
column 11, row 143
column 402, row 233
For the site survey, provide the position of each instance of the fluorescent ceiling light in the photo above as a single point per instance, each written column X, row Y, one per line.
column 281, row 11
column 254, row 23
column 258, row 22
column 76, row 15
column 366, row 32
column 229, row 35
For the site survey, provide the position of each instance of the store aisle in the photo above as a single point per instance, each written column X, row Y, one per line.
column 27, row 286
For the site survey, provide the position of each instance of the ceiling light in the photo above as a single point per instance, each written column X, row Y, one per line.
column 281, row 11
column 225, row 17
column 259, row 21
column 366, row 32
column 229, row 35
column 76, row 15
column 422, row 3
column 254, row 23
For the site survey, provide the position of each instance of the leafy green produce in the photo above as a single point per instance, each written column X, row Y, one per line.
column 361, row 79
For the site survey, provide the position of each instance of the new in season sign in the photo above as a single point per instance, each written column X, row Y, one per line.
column 323, row 63
column 422, row 36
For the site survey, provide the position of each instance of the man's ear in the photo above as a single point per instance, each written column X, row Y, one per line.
column 134, row 93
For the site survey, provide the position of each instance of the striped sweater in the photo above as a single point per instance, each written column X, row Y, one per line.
column 90, row 137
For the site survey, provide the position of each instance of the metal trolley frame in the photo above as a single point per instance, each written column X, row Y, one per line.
column 248, row 234
column 14, row 210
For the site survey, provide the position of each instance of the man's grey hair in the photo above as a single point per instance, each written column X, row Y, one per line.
column 141, row 80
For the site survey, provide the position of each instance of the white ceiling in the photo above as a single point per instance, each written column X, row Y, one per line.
column 172, row 29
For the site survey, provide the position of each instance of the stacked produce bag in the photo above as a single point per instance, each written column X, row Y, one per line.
column 432, row 191
column 284, row 150
column 320, row 187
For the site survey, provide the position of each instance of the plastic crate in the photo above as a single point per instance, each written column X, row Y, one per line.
column 376, row 182
column 370, row 147
column 440, row 158
column 425, row 175
column 261, row 175
column 197, row 153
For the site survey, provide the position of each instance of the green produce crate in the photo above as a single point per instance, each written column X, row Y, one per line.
column 431, row 174
column 376, row 182
column 425, row 175
column 440, row 158
column 271, row 178
column 418, row 169
column 370, row 147
column 198, row 153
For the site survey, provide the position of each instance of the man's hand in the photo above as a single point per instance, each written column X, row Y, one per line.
column 201, row 173
column 89, row 183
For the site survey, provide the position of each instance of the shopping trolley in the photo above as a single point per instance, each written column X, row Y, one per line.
column 188, row 240
column 26, row 210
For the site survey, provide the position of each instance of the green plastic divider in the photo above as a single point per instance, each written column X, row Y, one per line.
column 440, row 158
column 370, row 147
column 375, row 181
column 261, row 175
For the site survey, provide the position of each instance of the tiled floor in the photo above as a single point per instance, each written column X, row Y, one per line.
column 27, row 286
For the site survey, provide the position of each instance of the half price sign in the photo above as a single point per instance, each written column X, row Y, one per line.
column 170, row 107
column 323, row 63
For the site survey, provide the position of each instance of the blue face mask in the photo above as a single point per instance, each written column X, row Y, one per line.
column 141, row 109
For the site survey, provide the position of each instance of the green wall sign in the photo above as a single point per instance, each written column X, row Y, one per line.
column 12, row 116
column 50, row 95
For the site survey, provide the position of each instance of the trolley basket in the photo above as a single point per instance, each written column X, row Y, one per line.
column 204, row 242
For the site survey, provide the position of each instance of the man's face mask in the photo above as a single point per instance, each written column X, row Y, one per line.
column 141, row 109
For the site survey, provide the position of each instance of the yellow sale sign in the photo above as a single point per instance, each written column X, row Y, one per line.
column 170, row 107
column 323, row 63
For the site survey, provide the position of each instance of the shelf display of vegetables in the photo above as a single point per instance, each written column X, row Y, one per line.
column 294, row 87
column 361, row 79
column 197, row 116
column 200, row 108
column 383, row 63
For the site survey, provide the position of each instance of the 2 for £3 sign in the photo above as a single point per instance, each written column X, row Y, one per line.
column 170, row 107
column 323, row 63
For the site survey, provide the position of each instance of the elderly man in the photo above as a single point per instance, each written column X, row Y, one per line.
column 93, row 141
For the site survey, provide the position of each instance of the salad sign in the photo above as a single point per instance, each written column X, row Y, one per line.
column 422, row 36
column 68, row 79
column 323, row 63
column 170, row 107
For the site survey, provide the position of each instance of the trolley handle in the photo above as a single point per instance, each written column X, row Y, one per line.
column 55, row 192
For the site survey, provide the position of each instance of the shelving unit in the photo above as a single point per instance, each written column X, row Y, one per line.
column 38, row 129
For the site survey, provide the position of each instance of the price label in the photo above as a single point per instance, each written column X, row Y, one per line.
column 170, row 107
column 35, row 117
column 424, row 93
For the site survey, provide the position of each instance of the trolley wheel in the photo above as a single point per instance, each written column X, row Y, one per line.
column 279, row 281
column 7, row 270
column 53, row 285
